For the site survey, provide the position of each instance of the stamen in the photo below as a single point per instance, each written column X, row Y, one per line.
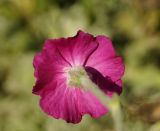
column 75, row 75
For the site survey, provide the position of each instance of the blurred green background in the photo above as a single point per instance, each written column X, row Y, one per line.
column 133, row 25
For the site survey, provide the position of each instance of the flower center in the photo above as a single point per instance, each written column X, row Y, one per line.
column 75, row 76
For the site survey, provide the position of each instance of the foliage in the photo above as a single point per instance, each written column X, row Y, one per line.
column 134, row 27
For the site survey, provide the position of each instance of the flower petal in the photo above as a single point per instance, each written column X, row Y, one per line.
column 104, row 83
column 76, row 49
column 104, row 60
column 61, row 103
column 49, row 65
column 71, row 103
column 89, row 104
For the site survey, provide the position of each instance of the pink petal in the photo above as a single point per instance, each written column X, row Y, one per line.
column 76, row 49
column 104, row 83
column 49, row 65
column 61, row 103
column 70, row 103
column 89, row 104
column 104, row 59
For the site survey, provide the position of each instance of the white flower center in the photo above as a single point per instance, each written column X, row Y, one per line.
column 76, row 75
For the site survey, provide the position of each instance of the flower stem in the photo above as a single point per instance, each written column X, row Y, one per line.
column 112, row 103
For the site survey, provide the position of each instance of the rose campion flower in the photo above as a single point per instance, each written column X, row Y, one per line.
column 67, row 68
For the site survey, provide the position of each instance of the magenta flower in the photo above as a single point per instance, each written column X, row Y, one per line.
column 61, row 71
